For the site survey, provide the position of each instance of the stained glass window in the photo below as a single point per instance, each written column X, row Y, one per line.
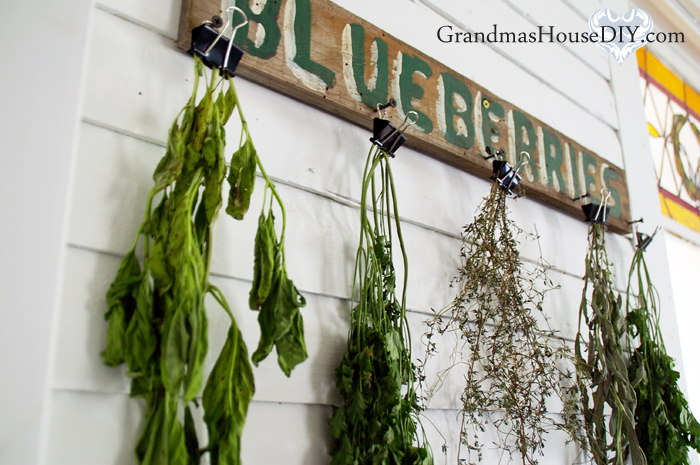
column 673, row 117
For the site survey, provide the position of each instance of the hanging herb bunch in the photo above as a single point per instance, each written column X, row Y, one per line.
column 602, row 372
column 665, row 425
column 156, row 314
column 378, row 420
column 513, row 364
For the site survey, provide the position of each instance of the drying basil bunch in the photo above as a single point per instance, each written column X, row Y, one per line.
column 156, row 314
column 377, row 422
column 665, row 425
column 512, row 361
column 602, row 374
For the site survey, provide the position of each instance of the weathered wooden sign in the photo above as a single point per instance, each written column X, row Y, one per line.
column 321, row 54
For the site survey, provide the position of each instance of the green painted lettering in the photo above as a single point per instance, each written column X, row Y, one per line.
column 454, row 87
column 488, row 127
column 525, row 141
column 267, row 19
column 410, row 65
column 554, row 159
column 302, row 40
column 380, row 94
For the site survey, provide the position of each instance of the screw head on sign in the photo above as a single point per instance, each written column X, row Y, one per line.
column 217, row 21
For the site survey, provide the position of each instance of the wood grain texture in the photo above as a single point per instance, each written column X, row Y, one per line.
column 451, row 127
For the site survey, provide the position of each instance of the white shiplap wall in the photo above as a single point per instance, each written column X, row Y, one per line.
column 40, row 88
column 136, row 82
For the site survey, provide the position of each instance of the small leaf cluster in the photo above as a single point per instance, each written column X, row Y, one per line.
column 664, row 424
column 157, row 323
column 513, row 363
column 377, row 423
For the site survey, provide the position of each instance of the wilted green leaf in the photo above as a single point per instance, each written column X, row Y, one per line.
column 141, row 339
column 266, row 264
column 242, row 179
column 191, row 441
column 121, row 306
column 281, row 325
column 226, row 397
column 162, row 440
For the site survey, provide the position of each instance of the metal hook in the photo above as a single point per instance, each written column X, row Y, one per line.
column 391, row 103
column 605, row 195
column 233, row 33
column 498, row 155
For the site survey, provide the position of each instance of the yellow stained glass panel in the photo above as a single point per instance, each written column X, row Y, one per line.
column 673, row 117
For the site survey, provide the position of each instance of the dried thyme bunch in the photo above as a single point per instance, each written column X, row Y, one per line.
column 602, row 374
column 665, row 426
column 377, row 423
column 512, row 363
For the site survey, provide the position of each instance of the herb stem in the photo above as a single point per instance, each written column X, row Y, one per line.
column 268, row 183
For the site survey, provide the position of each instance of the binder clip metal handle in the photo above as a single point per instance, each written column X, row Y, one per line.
column 507, row 176
column 386, row 136
column 598, row 213
column 215, row 50
column 643, row 240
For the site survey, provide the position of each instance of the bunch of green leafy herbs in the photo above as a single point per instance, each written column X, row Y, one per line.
column 377, row 423
column 665, row 425
column 157, row 322
column 513, row 364
column 602, row 375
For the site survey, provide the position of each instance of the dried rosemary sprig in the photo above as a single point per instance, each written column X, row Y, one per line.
column 665, row 426
column 512, row 363
column 602, row 374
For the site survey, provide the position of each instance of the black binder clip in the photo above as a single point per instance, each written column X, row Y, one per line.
column 643, row 240
column 386, row 136
column 507, row 176
column 598, row 213
column 215, row 50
